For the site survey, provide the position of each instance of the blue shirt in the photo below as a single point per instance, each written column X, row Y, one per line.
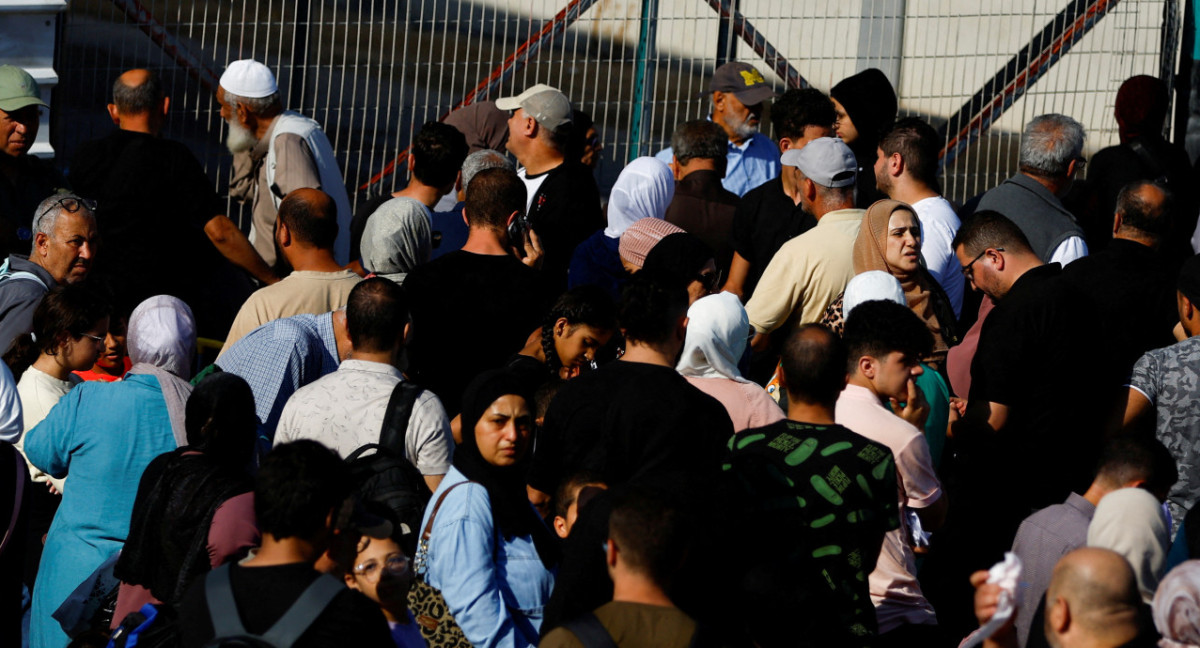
column 453, row 229
column 752, row 163
column 280, row 357
column 496, row 587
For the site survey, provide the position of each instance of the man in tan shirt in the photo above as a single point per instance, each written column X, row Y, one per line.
column 809, row 271
column 305, row 233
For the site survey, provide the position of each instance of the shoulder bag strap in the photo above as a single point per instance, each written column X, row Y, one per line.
column 303, row 612
column 436, row 507
column 19, row 492
column 1146, row 156
column 396, row 416
column 222, row 609
column 590, row 632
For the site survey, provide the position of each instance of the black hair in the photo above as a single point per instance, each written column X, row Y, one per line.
column 1133, row 457
column 990, row 229
column 797, row 109
column 299, row 485
column 699, row 139
column 220, row 419
column 376, row 312
column 879, row 327
column 142, row 98
column 310, row 221
column 577, row 141
column 917, row 143
column 582, row 305
column 569, row 489
column 438, row 152
column 1141, row 214
column 651, row 532
column 814, row 365
column 493, row 196
column 651, row 307
column 544, row 394
column 67, row 311
column 679, row 256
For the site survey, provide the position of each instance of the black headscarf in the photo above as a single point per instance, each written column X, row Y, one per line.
column 870, row 102
column 511, row 510
column 680, row 256
column 180, row 491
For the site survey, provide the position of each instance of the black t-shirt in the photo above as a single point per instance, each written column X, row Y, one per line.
column 153, row 201
column 563, row 213
column 470, row 312
column 630, row 421
column 1042, row 354
column 264, row 594
column 766, row 218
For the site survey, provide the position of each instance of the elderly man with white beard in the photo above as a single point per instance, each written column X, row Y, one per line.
column 739, row 95
column 275, row 152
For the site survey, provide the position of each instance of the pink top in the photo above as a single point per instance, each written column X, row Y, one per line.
column 749, row 405
column 894, row 588
column 232, row 534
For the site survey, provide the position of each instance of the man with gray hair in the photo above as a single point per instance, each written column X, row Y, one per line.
column 1051, row 156
column 275, row 152
column 702, row 206
column 64, row 242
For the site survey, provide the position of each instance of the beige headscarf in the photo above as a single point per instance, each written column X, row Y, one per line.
column 869, row 254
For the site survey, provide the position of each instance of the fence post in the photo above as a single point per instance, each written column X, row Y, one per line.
column 643, row 84
column 726, row 43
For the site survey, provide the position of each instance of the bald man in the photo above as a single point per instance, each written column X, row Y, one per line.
column 161, row 220
column 305, row 231
column 1092, row 601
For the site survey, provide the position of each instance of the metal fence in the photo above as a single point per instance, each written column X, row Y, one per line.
column 372, row 71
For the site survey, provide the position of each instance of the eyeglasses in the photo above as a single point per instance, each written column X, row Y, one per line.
column 71, row 204
column 710, row 280
column 966, row 270
column 395, row 564
column 94, row 337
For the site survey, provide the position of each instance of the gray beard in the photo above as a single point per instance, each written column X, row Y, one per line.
column 744, row 129
column 239, row 139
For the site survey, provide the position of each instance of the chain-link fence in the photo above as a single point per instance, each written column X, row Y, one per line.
column 372, row 71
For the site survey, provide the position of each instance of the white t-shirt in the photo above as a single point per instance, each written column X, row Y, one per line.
column 531, row 186
column 39, row 392
column 939, row 224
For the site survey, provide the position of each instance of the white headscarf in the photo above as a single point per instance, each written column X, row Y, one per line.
column 643, row 190
column 872, row 285
column 162, row 342
column 717, row 332
column 397, row 238
column 1130, row 522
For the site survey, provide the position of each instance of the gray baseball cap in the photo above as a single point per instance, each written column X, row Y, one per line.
column 545, row 104
column 18, row 89
column 826, row 161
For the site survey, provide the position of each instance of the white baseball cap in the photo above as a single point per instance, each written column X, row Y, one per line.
column 547, row 105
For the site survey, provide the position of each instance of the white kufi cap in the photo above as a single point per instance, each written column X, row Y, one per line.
column 249, row 78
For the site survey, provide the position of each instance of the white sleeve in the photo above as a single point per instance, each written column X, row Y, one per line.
column 11, row 416
column 428, row 442
column 1068, row 251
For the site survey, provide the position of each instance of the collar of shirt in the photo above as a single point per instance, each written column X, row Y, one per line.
column 325, row 331
column 1079, row 503
column 841, row 215
column 366, row 366
column 263, row 145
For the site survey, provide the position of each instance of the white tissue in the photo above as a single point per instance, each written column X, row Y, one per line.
column 1006, row 574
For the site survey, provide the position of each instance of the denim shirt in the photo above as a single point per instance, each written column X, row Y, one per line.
column 747, row 165
column 495, row 587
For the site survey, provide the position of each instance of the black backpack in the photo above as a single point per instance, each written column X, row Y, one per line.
column 228, row 631
column 386, row 476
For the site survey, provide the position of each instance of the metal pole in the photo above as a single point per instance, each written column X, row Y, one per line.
column 726, row 45
column 643, row 83
column 743, row 29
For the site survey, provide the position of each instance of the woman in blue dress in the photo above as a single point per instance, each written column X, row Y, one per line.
column 489, row 553
column 104, row 435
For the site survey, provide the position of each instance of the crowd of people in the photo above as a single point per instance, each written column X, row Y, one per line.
column 769, row 391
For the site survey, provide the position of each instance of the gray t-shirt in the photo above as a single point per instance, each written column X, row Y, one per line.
column 1170, row 379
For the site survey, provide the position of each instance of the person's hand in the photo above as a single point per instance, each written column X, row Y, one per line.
column 533, row 249
column 958, row 409
column 916, row 408
column 987, row 600
column 52, row 489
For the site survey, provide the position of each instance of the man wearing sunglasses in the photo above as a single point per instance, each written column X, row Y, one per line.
column 64, row 244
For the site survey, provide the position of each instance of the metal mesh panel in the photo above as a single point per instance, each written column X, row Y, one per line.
column 371, row 71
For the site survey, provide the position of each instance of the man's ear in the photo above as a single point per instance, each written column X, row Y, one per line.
column 114, row 115
column 896, row 164
column 41, row 242
column 560, row 327
column 681, row 331
column 784, row 144
column 1058, row 617
column 560, row 526
column 166, row 105
column 458, row 182
column 282, row 233
column 676, row 168
column 407, row 332
column 810, row 189
column 1116, row 223
column 610, row 552
column 866, row 367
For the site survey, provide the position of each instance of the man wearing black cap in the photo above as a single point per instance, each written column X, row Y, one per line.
column 562, row 202
column 24, row 179
column 866, row 107
column 1163, row 393
column 739, row 94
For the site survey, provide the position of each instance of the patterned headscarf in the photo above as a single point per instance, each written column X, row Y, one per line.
column 1177, row 607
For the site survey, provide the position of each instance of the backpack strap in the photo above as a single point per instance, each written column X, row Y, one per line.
column 396, row 416
column 222, row 611
column 590, row 632
column 1146, row 157
column 304, row 612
